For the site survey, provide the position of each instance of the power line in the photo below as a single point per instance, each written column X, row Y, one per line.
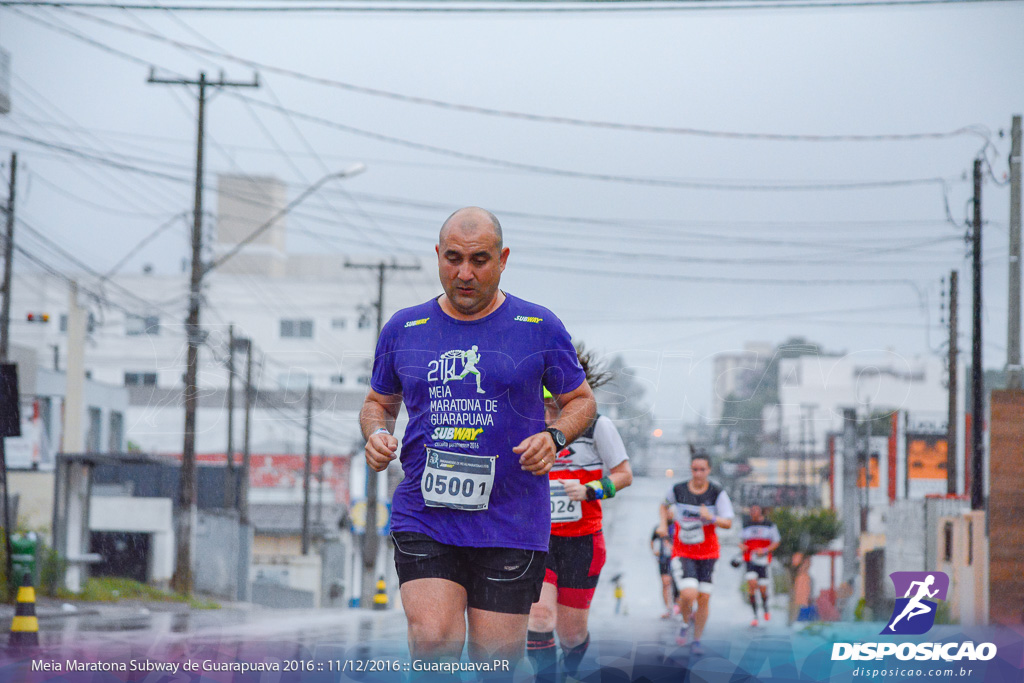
column 670, row 183
column 578, row 7
column 220, row 53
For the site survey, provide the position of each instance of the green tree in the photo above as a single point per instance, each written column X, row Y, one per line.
column 804, row 534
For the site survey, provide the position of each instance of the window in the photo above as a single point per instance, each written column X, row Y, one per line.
column 140, row 379
column 970, row 543
column 92, row 436
column 296, row 329
column 115, row 442
column 337, row 379
column 947, row 542
column 294, row 380
column 363, row 379
column 90, row 325
column 338, row 323
column 137, row 325
column 364, row 317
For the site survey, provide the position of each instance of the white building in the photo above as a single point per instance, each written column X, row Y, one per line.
column 736, row 373
column 311, row 320
column 814, row 390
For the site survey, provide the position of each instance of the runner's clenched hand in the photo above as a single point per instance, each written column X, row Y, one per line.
column 536, row 453
column 380, row 451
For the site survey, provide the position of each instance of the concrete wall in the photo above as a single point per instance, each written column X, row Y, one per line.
column 35, row 499
column 934, row 510
column 334, row 575
column 905, row 537
column 296, row 572
column 219, row 547
column 267, row 545
column 139, row 515
column 966, row 566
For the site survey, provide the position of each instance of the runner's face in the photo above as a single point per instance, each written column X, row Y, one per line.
column 470, row 266
column 700, row 471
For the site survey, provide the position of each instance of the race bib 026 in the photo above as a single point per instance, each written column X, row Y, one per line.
column 457, row 480
column 563, row 508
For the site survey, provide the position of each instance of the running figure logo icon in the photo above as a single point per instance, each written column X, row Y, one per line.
column 914, row 613
column 469, row 360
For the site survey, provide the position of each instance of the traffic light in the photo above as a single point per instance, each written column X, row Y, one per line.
column 38, row 317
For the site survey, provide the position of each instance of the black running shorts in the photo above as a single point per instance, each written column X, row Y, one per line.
column 506, row 580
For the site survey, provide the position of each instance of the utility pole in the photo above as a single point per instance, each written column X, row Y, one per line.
column 370, row 539
column 785, row 462
column 977, row 378
column 803, row 449
column 5, row 310
column 229, row 488
column 320, row 492
column 243, row 491
column 1013, row 366
column 951, row 420
column 5, row 325
column 181, row 580
column 306, row 469
column 867, row 477
column 850, row 504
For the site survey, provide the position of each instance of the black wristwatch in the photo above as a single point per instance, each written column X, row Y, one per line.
column 558, row 436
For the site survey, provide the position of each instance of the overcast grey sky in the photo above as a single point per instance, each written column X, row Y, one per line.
column 640, row 263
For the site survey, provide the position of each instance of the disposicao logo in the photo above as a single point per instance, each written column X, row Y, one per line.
column 914, row 613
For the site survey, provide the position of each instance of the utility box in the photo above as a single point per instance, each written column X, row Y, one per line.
column 25, row 558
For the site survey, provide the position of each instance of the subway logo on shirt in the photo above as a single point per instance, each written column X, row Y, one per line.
column 456, row 433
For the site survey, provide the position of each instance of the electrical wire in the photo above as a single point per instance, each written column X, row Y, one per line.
column 605, row 6
column 976, row 130
column 691, row 184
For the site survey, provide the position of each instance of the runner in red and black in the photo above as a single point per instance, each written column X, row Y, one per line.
column 589, row 470
column 758, row 539
column 698, row 507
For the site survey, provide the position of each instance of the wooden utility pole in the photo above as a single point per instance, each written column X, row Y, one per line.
column 243, row 490
column 229, row 488
column 306, row 469
column 1013, row 367
column 370, row 540
column 977, row 376
column 5, row 310
column 951, row 419
column 182, row 579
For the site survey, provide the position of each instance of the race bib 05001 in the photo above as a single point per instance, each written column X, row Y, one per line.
column 457, row 480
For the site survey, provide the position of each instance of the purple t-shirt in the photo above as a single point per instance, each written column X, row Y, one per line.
column 473, row 391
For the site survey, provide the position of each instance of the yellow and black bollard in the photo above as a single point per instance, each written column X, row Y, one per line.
column 25, row 626
column 380, row 599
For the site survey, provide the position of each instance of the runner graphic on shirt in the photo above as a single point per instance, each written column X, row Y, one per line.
column 469, row 358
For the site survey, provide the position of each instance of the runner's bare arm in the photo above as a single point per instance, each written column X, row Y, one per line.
column 379, row 411
column 537, row 451
column 621, row 475
column 578, row 410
